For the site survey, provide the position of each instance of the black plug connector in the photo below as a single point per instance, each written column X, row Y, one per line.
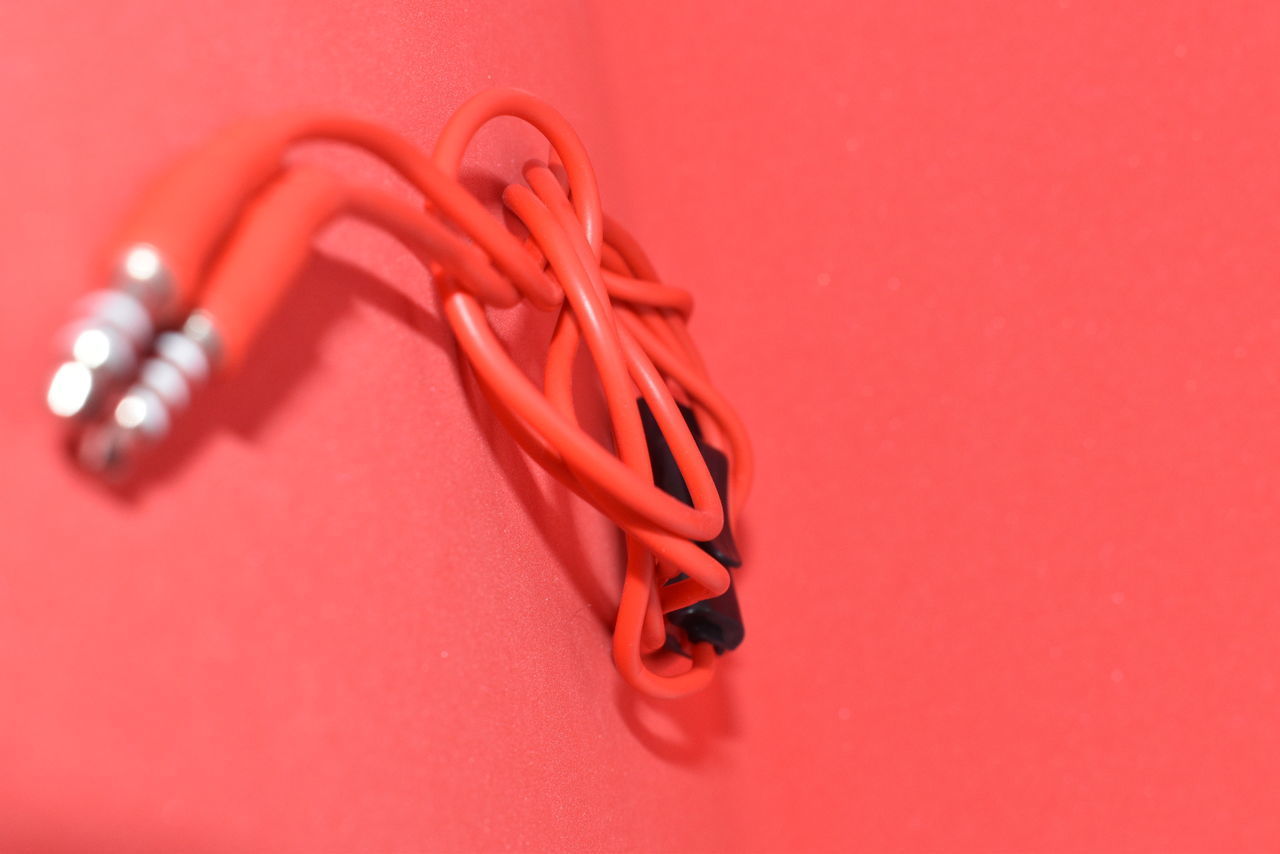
column 718, row 620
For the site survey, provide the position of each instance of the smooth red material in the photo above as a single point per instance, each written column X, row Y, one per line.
column 994, row 288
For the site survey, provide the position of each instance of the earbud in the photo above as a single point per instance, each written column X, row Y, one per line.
column 206, row 258
column 261, row 257
column 158, row 259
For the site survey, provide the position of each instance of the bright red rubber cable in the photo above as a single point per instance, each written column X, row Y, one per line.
column 609, row 297
column 564, row 240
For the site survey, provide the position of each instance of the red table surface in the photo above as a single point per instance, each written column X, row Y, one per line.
column 995, row 288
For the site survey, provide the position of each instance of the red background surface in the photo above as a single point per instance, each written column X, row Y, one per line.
column 995, row 289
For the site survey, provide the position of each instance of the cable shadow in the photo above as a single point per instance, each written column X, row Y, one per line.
column 282, row 357
column 326, row 289
column 553, row 505
column 687, row 732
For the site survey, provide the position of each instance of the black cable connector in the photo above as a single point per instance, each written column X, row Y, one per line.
column 717, row 621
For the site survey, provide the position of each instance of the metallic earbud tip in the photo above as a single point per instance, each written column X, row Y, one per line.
column 139, row 420
column 107, row 449
column 99, row 347
column 73, row 391
column 96, row 358
column 143, row 412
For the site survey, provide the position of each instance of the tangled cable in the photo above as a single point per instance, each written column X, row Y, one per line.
column 210, row 251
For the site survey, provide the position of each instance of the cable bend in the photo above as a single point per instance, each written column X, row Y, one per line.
column 231, row 225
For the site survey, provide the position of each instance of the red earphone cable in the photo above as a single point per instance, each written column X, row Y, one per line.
column 575, row 260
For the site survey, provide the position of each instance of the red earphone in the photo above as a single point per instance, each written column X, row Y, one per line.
column 210, row 250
